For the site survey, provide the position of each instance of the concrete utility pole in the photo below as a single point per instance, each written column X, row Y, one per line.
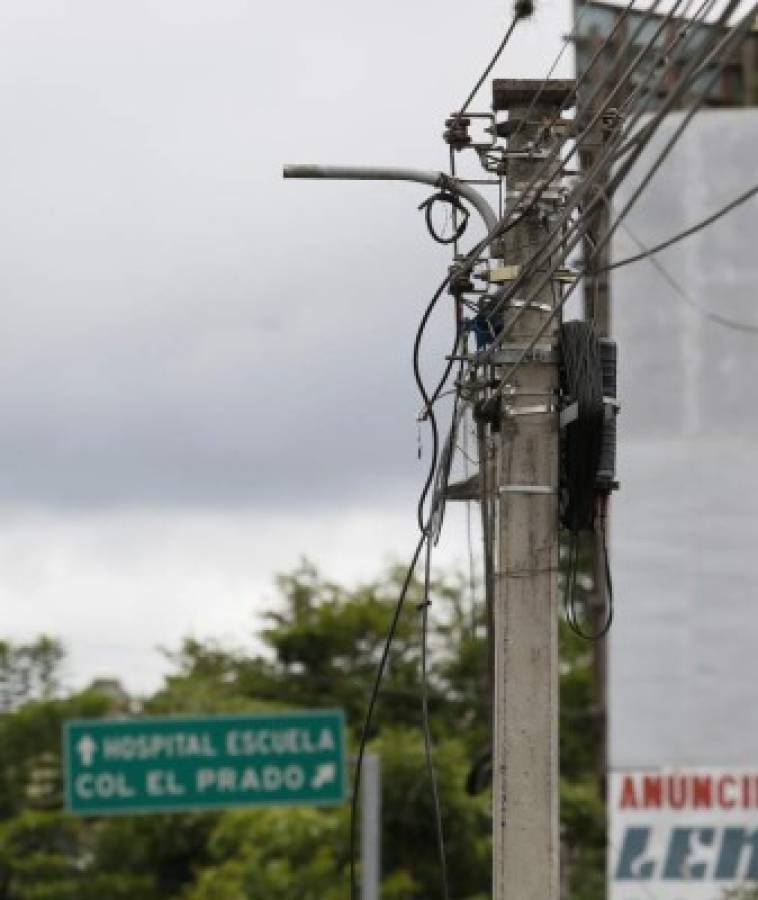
column 525, row 789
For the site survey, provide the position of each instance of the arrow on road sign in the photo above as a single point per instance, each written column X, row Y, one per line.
column 86, row 748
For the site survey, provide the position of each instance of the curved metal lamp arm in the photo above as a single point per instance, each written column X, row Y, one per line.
column 376, row 173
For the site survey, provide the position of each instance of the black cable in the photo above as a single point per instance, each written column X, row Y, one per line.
column 664, row 245
column 426, row 725
column 522, row 11
column 722, row 47
column 707, row 314
column 570, row 593
column 458, row 227
column 370, row 711
column 428, row 411
column 507, row 293
column 608, row 578
column 582, row 386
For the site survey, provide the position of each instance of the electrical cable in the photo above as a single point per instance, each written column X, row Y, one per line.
column 522, row 11
column 717, row 318
column 426, row 725
column 723, row 47
column 506, row 293
column 682, row 235
column 583, row 75
column 424, row 533
column 420, row 332
column 370, row 710
column 429, row 401
column 458, row 227
column 508, row 221
column 582, row 385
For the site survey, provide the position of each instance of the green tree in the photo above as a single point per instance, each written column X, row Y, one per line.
column 320, row 647
column 29, row 671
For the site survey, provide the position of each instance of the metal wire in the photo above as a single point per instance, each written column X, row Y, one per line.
column 426, row 726
column 646, row 252
column 580, row 228
column 723, row 48
column 491, row 65
column 370, row 712
column 717, row 318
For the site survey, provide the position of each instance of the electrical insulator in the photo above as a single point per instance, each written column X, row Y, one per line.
column 456, row 132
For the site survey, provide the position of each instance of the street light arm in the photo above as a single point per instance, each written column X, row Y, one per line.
column 377, row 173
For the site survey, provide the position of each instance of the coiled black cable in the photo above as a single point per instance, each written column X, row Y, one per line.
column 581, row 385
column 455, row 203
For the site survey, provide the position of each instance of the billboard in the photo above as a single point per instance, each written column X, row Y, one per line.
column 682, row 662
column 682, row 834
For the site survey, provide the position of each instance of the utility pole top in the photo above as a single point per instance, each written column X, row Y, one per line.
column 510, row 92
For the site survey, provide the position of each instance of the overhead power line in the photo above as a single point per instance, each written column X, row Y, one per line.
column 718, row 55
column 717, row 318
column 682, row 235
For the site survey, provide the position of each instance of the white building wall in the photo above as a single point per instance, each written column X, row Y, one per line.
column 684, row 646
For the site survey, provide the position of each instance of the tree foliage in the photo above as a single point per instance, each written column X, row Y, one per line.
column 319, row 648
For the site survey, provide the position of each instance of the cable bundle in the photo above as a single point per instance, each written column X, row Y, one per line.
column 581, row 453
column 582, row 383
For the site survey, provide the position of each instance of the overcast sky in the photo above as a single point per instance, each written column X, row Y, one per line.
column 204, row 370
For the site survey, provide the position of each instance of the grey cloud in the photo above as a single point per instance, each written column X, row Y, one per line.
column 181, row 326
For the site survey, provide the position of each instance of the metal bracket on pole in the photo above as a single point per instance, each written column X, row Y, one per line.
column 541, row 409
column 526, row 304
column 527, row 489
column 611, row 407
column 512, row 353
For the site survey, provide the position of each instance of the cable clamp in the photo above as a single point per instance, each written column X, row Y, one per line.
column 526, row 154
column 512, row 353
column 539, row 410
column 553, row 194
column 512, row 390
column 527, row 489
column 530, row 304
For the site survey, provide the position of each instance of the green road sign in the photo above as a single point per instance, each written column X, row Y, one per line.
column 122, row 766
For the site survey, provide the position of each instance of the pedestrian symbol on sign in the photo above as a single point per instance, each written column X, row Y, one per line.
column 86, row 748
